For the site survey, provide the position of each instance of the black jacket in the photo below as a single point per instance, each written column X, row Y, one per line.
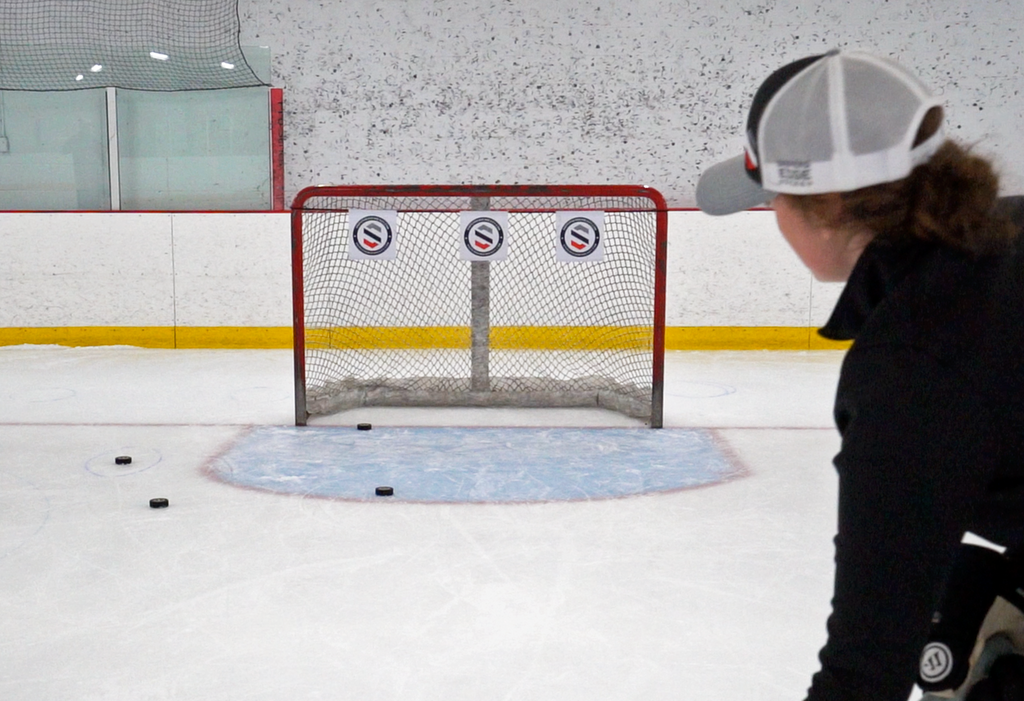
column 930, row 407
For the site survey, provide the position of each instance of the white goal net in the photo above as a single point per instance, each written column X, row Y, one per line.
column 522, row 296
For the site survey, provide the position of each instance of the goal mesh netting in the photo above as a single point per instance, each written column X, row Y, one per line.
column 430, row 329
column 159, row 45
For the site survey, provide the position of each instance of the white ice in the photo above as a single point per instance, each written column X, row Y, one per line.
column 715, row 594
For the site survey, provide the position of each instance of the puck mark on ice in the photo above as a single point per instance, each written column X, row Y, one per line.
column 107, row 464
column 44, row 394
column 484, row 236
column 936, row 662
column 372, row 235
column 24, row 511
column 579, row 237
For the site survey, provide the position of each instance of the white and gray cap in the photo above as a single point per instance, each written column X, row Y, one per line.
column 830, row 123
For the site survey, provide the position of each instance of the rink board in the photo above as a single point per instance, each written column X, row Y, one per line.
column 473, row 465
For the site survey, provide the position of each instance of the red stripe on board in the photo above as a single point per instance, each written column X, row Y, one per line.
column 277, row 148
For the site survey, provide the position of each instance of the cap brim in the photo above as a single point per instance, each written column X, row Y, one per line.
column 726, row 189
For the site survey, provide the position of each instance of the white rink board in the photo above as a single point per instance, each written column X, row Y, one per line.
column 86, row 270
column 234, row 269
column 739, row 271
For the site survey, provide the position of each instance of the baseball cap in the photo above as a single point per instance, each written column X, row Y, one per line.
column 829, row 123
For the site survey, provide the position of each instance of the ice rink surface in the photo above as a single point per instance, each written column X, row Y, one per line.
column 714, row 593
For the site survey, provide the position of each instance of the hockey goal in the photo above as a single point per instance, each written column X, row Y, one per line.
column 504, row 295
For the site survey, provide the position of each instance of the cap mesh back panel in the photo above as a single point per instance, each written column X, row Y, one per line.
column 880, row 122
column 63, row 45
column 797, row 126
column 398, row 332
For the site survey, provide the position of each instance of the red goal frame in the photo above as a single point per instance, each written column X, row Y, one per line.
column 659, row 208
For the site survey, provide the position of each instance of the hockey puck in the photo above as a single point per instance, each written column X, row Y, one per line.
column 364, row 427
column 158, row 503
column 385, row 491
column 123, row 460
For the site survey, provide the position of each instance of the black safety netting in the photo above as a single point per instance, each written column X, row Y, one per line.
column 160, row 45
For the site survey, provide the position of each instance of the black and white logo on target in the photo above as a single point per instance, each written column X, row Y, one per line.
column 371, row 235
column 579, row 236
column 936, row 662
column 484, row 236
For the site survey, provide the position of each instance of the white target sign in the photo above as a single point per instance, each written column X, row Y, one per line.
column 371, row 235
column 483, row 236
column 579, row 237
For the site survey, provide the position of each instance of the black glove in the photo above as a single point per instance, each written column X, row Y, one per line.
column 977, row 576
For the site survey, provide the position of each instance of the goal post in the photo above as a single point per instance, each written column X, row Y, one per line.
column 479, row 295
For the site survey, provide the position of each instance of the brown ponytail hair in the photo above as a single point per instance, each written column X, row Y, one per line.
column 948, row 200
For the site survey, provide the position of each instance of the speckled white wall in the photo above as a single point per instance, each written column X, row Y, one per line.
column 597, row 91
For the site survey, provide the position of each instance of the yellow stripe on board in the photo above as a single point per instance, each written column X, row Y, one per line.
column 145, row 336
column 561, row 337
column 233, row 337
column 425, row 337
column 748, row 338
column 151, row 336
column 389, row 337
column 501, row 337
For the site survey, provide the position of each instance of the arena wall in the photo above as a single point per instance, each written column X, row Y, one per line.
column 648, row 92
column 485, row 91
column 221, row 280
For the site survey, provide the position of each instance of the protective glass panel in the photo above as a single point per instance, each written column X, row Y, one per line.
column 53, row 151
column 131, row 44
column 258, row 58
column 195, row 150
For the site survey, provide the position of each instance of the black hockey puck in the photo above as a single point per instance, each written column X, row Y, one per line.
column 385, row 491
column 158, row 503
column 123, row 460
column 364, row 427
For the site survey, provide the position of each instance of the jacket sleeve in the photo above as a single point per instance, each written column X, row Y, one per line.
column 917, row 453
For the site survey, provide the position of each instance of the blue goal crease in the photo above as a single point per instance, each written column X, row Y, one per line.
column 488, row 465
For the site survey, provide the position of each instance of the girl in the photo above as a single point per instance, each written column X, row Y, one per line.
column 848, row 150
